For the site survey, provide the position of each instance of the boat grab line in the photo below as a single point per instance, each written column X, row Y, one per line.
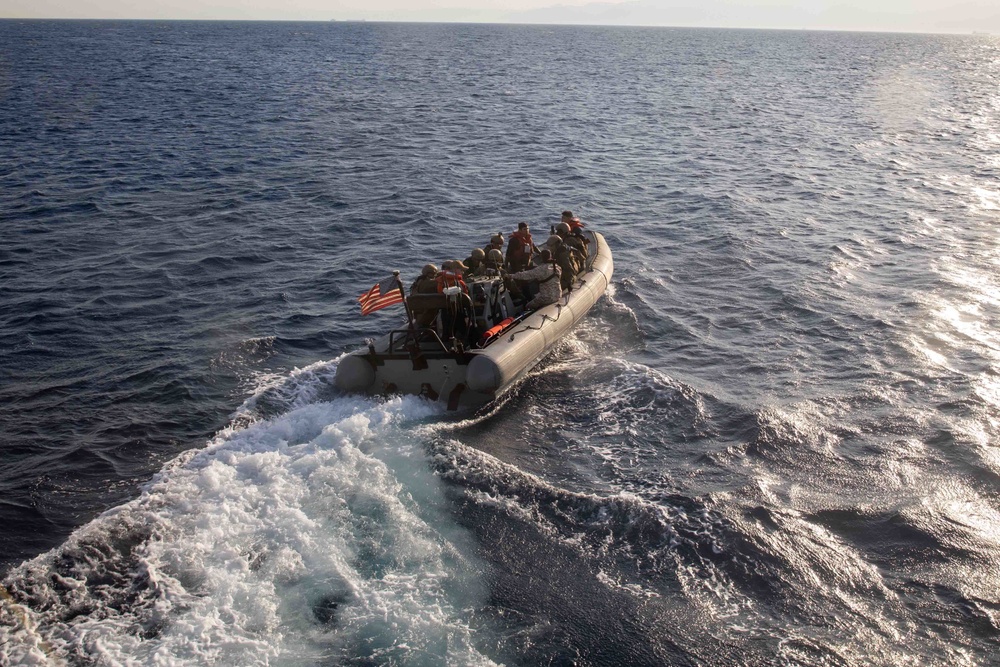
column 545, row 318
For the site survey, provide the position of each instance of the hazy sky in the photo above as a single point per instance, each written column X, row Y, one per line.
column 890, row 15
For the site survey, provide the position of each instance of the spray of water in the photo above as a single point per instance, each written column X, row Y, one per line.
column 306, row 537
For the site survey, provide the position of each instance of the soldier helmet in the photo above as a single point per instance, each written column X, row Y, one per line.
column 429, row 270
column 478, row 253
column 562, row 229
column 496, row 256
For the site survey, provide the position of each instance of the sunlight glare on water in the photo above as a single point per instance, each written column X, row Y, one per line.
column 773, row 442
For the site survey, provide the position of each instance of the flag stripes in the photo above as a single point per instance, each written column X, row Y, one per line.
column 382, row 294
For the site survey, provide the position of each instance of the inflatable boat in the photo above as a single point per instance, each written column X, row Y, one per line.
column 501, row 343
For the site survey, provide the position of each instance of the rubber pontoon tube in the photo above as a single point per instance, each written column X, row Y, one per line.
column 354, row 373
column 483, row 375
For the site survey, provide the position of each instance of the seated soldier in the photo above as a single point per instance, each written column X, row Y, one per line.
column 547, row 276
column 476, row 262
column 563, row 255
column 579, row 248
column 576, row 229
column 496, row 243
column 452, row 275
column 493, row 267
column 426, row 283
column 456, row 320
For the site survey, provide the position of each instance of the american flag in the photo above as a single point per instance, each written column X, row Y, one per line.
column 382, row 294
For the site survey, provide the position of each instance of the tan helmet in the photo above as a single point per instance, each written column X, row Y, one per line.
column 496, row 239
column 429, row 270
column 562, row 229
column 478, row 253
column 496, row 256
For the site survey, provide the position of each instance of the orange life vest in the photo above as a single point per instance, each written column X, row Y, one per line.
column 519, row 247
column 450, row 279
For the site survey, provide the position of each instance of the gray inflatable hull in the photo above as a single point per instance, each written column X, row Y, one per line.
column 476, row 377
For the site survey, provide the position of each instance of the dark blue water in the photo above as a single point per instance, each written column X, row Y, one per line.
column 773, row 442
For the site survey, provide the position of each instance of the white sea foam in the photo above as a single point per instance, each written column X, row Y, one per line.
column 315, row 535
column 300, row 387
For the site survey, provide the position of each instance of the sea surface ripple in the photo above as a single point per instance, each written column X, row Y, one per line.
column 773, row 442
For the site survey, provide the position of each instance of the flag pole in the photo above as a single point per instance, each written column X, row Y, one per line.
column 409, row 314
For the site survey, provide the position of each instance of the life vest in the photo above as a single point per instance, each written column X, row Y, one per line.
column 450, row 279
column 519, row 247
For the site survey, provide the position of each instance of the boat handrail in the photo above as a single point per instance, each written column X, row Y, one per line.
column 415, row 335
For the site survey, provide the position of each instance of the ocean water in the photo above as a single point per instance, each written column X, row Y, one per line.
column 773, row 442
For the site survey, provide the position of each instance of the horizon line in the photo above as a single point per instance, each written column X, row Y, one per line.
column 512, row 23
